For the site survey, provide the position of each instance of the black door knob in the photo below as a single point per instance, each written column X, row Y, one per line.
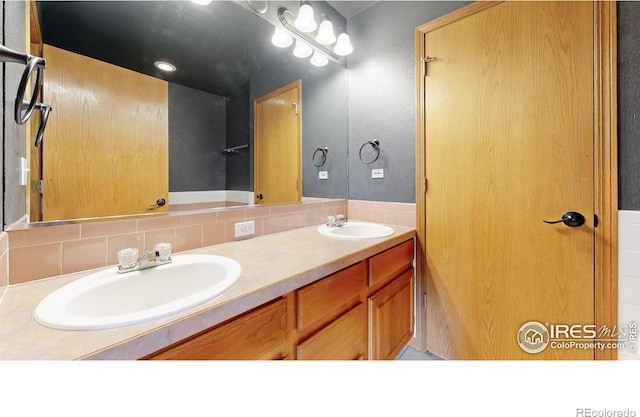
column 159, row 203
column 570, row 218
column 259, row 196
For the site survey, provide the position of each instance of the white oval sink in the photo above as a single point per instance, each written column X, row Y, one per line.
column 107, row 299
column 357, row 230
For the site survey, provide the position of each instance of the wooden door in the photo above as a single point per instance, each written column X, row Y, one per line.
column 278, row 146
column 106, row 151
column 509, row 142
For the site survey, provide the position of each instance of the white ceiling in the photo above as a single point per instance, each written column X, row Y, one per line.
column 350, row 8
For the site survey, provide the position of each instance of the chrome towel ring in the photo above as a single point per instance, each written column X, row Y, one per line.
column 375, row 144
column 323, row 156
column 45, row 109
column 33, row 63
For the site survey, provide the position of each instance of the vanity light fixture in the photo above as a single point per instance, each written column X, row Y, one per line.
column 343, row 45
column 164, row 66
column 281, row 39
column 322, row 43
column 305, row 22
column 302, row 50
column 325, row 34
column 319, row 59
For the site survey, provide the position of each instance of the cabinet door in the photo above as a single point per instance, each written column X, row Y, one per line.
column 344, row 338
column 258, row 334
column 391, row 317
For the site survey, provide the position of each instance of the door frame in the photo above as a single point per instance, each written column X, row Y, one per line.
column 605, row 143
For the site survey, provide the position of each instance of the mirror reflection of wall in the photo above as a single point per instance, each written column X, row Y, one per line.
column 221, row 91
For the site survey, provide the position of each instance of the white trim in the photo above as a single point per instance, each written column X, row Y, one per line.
column 189, row 197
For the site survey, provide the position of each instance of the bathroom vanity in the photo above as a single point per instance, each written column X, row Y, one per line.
column 364, row 311
column 301, row 295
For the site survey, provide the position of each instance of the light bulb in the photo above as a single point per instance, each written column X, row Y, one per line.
column 319, row 59
column 305, row 21
column 281, row 39
column 325, row 33
column 343, row 45
column 164, row 66
column 302, row 50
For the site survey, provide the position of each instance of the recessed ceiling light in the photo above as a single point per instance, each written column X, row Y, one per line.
column 164, row 66
column 201, row 2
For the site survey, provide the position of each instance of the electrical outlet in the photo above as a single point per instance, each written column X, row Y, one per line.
column 323, row 175
column 245, row 228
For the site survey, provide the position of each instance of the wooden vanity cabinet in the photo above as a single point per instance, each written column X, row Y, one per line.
column 391, row 301
column 260, row 334
column 364, row 311
column 331, row 317
column 343, row 338
column 391, row 317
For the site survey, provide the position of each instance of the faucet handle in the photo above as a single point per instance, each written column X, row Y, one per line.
column 128, row 257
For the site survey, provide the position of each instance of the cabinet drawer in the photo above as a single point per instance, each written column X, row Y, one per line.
column 258, row 334
column 345, row 338
column 390, row 263
column 323, row 300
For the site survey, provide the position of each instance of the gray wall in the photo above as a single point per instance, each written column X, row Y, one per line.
column 201, row 126
column 238, row 134
column 13, row 134
column 324, row 115
column 629, row 104
column 197, row 137
column 382, row 95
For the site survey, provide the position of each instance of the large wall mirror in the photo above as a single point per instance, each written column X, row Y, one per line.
column 224, row 61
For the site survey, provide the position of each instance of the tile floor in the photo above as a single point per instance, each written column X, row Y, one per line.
column 410, row 354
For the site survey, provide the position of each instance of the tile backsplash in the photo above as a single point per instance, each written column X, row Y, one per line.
column 628, row 275
column 40, row 252
column 397, row 214
column 4, row 260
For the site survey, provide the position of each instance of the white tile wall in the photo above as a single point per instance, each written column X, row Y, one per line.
column 628, row 274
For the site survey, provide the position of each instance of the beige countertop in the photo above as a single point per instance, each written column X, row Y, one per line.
column 272, row 266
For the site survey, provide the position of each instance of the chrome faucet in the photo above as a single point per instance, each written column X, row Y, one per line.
column 149, row 259
column 336, row 221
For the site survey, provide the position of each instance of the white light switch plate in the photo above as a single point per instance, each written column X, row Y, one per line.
column 323, row 175
column 24, row 171
column 377, row 173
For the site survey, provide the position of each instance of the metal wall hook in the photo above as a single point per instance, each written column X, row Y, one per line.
column 324, row 151
column 375, row 144
column 9, row 55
